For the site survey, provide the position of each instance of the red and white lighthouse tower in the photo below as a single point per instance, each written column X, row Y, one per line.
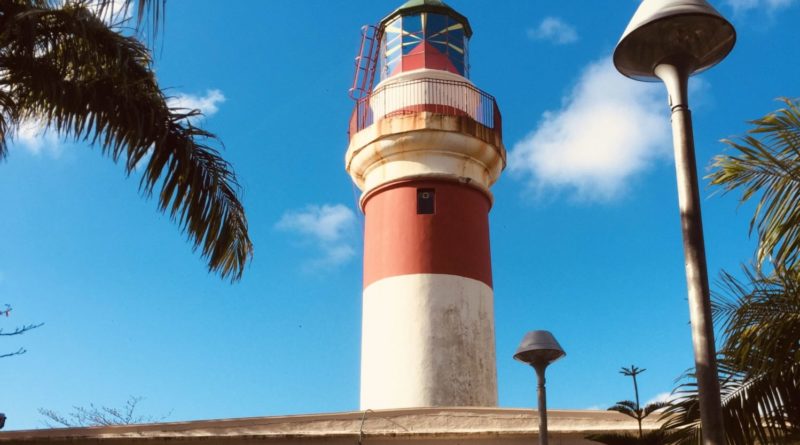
column 425, row 147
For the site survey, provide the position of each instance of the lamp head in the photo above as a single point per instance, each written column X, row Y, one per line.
column 687, row 32
column 539, row 348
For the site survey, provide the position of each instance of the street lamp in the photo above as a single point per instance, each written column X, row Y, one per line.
column 671, row 40
column 539, row 349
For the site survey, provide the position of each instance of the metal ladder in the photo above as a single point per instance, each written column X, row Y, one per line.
column 366, row 62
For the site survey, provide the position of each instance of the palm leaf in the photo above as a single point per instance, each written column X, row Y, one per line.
column 755, row 408
column 66, row 67
column 767, row 165
column 650, row 408
column 760, row 320
column 149, row 13
column 4, row 131
column 759, row 367
column 626, row 407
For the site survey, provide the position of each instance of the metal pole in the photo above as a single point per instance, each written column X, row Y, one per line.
column 676, row 78
column 542, row 395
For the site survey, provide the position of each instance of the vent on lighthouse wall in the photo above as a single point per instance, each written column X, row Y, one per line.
column 426, row 201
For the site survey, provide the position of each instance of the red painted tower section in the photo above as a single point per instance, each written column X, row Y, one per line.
column 425, row 148
column 453, row 239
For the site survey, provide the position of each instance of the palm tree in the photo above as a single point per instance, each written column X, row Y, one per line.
column 63, row 65
column 634, row 409
column 759, row 362
column 768, row 165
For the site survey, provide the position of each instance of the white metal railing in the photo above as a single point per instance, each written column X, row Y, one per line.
column 435, row 95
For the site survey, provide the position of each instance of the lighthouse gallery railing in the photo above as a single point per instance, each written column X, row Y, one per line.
column 434, row 95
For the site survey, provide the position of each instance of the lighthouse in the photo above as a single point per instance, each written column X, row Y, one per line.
column 425, row 146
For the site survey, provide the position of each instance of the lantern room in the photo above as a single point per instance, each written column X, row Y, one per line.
column 424, row 34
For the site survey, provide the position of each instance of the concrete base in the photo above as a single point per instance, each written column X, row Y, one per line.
column 440, row 426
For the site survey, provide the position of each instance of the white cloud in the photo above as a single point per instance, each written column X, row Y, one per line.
column 35, row 138
column 331, row 228
column 206, row 104
column 609, row 129
column 768, row 6
column 554, row 30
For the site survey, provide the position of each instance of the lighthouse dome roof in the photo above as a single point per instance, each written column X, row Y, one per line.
column 437, row 6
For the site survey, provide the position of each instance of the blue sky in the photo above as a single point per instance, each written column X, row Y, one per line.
column 585, row 232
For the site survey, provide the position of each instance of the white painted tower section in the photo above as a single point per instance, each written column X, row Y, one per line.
column 428, row 340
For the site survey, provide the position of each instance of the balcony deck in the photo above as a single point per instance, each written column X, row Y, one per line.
column 439, row 96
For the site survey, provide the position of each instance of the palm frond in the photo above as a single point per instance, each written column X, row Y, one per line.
column 4, row 131
column 68, row 68
column 650, row 408
column 626, row 407
column 755, row 408
column 8, row 112
column 767, row 164
column 760, row 320
column 149, row 14
column 633, row 371
column 758, row 366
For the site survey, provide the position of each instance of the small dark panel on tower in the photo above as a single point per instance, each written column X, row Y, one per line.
column 426, row 201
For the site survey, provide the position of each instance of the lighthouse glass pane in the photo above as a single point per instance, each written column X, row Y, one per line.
column 412, row 32
column 413, row 46
column 424, row 40
column 391, row 48
column 445, row 35
column 434, row 25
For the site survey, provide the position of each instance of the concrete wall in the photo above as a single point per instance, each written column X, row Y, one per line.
column 428, row 426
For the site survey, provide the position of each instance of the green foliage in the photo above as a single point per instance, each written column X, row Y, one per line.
column 754, row 408
column 758, row 364
column 760, row 320
column 767, row 165
column 62, row 65
column 637, row 412
column 634, row 409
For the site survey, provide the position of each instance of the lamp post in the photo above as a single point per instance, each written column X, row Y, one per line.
column 669, row 40
column 539, row 349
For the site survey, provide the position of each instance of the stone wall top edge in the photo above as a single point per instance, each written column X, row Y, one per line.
column 428, row 422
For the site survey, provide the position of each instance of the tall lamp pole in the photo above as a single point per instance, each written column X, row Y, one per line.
column 669, row 40
column 539, row 349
